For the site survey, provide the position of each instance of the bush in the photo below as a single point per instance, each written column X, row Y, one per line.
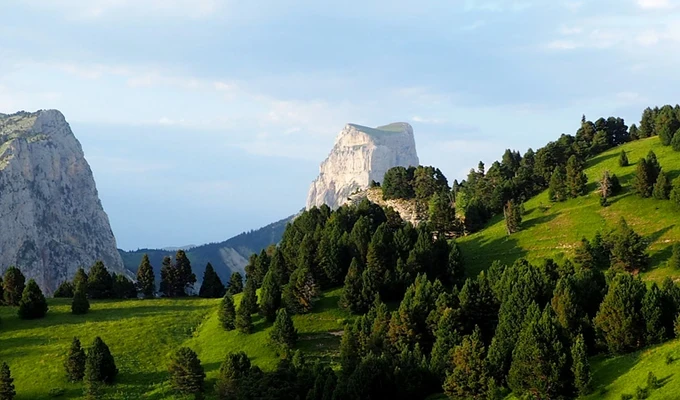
column 669, row 359
column 652, row 381
column 186, row 373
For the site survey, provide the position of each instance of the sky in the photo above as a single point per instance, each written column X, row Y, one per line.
column 202, row 119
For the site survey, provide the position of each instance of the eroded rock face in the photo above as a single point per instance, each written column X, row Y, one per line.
column 361, row 155
column 51, row 219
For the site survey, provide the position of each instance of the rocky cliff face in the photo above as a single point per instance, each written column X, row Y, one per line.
column 361, row 155
column 51, row 219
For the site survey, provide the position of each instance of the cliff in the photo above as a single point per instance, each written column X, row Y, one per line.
column 51, row 218
column 361, row 155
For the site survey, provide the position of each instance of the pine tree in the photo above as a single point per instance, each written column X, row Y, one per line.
column 64, row 291
column 557, row 190
column 628, row 249
column 33, row 304
column 185, row 276
column 653, row 167
column 301, row 292
column 662, row 187
column 447, row 337
column 455, row 272
column 244, row 321
column 7, row 391
column 675, row 142
column 80, row 277
column 352, row 293
column 233, row 373
column 270, row 297
column 146, row 281
column 674, row 261
column 75, row 362
column 620, row 315
column 565, row 304
column 212, row 286
column 653, row 314
column 605, row 184
column 350, row 352
column 283, row 334
column 227, row 313
column 100, row 366
column 513, row 216
column 249, row 298
column 642, row 183
column 580, row 366
column 442, row 214
column 168, row 277
column 623, row 159
column 469, row 377
column 13, row 284
column 235, row 284
column 675, row 192
column 99, row 282
column 186, row 373
column 576, row 179
column 123, row 288
column 80, row 304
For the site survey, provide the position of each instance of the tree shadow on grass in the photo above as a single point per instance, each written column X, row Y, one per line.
column 663, row 381
column 479, row 253
column 601, row 158
column 651, row 238
column 619, row 197
column 538, row 221
column 659, row 258
column 612, row 368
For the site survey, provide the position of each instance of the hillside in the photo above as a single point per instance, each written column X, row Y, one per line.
column 142, row 334
column 226, row 257
column 555, row 229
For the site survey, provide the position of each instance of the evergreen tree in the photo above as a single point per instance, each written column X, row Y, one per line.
column 13, row 284
column 146, row 281
column 283, row 334
column 123, row 288
column 64, row 291
column 455, row 272
column 642, row 184
column 7, row 391
column 565, row 305
column 666, row 124
column 576, row 179
column 605, row 184
column 301, row 292
column 557, row 190
column 653, row 314
column 469, row 377
column 646, row 128
column 80, row 277
column 662, row 187
column 379, row 260
column 249, row 298
column 623, row 159
column 33, row 304
column 442, row 214
column 75, row 362
column 620, row 318
column 447, row 337
column 168, row 277
column 212, row 286
column 244, row 321
column 186, row 373
column 675, row 142
column 674, row 261
column 513, row 216
column 352, row 298
column 628, row 249
column 580, row 366
column 80, row 304
column 270, row 297
column 675, row 192
column 234, row 372
column 350, row 351
column 100, row 366
column 653, row 167
column 99, row 282
column 235, row 284
column 540, row 364
column 185, row 275
column 361, row 237
column 227, row 313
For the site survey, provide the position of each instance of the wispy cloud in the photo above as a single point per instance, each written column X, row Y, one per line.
column 655, row 4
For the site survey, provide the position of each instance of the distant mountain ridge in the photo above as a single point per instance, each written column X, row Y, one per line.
column 226, row 257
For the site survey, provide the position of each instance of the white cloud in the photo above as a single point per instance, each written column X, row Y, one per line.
column 96, row 9
column 420, row 119
column 570, row 30
column 655, row 4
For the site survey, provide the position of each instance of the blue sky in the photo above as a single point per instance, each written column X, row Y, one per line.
column 205, row 118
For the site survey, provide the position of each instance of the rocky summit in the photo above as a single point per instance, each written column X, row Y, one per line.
column 52, row 220
column 361, row 155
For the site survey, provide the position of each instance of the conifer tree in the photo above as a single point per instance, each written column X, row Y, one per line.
column 352, row 293
column 212, row 286
column 33, row 304
column 674, row 261
column 605, row 184
column 662, row 187
column 168, row 277
column 576, row 179
column 185, row 276
column 675, row 142
column 65, row 290
column 442, row 214
column 634, row 132
column 469, row 377
column 350, row 352
column 146, row 281
column 75, row 362
column 13, row 284
column 646, row 128
column 565, row 304
column 620, row 315
column 513, row 216
column 557, row 190
column 580, row 366
column 301, row 292
column 244, row 321
column 186, row 373
column 235, row 284
column 80, row 304
column 361, row 237
column 270, row 296
column 123, row 288
column 540, row 362
column 99, row 282
column 653, row 314
column 227, row 313
column 675, row 192
column 455, row 273
column 7, row 391
column 623, row 159
column 642, row 183
column 628, row 249
column 283, row 334
column 100, row 366
column 80, row 277
column 379, row 260
column 447, row 338
column 249, row 298
column 653, row 167
column 234, row 371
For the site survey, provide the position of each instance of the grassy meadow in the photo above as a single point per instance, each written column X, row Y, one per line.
column 142, row 334
column 554, row 230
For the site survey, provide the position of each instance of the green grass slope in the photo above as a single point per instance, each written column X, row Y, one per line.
column 142, row 334
column 555, row 229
